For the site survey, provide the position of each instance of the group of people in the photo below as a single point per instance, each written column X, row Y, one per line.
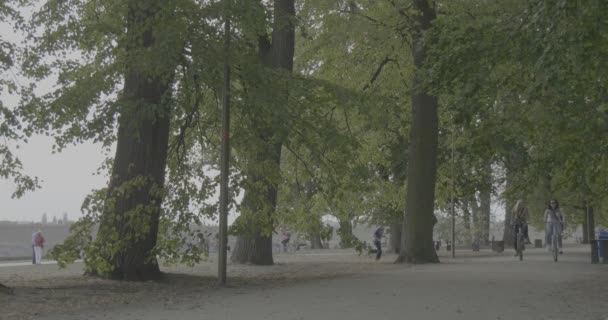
column 553, row 219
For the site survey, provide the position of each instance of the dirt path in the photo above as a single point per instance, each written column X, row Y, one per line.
column 343, row 286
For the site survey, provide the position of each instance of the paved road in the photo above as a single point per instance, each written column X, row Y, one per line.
column 476, row 288
column 26, row 263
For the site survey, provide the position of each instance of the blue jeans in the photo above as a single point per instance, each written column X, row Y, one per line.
column 378, row 245
column 549, row 233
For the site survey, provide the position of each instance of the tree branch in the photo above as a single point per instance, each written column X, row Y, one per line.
column 377, row 73
column 300, row 159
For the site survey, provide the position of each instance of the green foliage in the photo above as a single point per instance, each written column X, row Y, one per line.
column 521, row 84
column 526, row 78
column 11, row 127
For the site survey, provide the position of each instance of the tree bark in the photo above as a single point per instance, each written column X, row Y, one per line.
column 585, row 229
column 394, row 240
column 315, row 241
column 485, row 199
column 466, row 216
column 255, row 249
column 588, row 224
column 507, row 236
column 254, row 240
column 308, row 190
column 417, row 242
column 135, row 192
column 476, row 208
column 346, row 233
column 255, row 246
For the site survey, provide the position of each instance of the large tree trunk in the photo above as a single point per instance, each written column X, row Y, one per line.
column 254, row 240
column 588, row 224
column 466, row 216
column 585, row 227
column 255, row 246
column 417, row 242
column 591, row 224
column 315, row 241
column 477, row 218
column 129, row 225
column 485, row 199
column 254, row 249
column 513, row 162
column 394, row 240
column 346, row 233
column 309, row 189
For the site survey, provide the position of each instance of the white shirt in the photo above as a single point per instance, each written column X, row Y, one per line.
column 549, row 216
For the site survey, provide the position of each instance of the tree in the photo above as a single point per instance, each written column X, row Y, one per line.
column 138, row 175
column 417, row 244
column 255, row 244
column 346, row 43
column 485, row 198
column 140, row 53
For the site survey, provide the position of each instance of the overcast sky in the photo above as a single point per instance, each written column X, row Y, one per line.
column 66, row 178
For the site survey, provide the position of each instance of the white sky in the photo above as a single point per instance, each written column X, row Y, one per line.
column 66, row 178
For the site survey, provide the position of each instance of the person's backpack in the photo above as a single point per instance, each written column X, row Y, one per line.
column 39, row 240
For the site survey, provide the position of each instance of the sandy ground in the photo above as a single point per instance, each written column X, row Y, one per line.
column 334, row 284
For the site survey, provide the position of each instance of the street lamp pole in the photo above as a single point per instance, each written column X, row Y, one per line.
column 225, row 154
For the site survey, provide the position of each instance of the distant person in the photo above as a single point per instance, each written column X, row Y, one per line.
column 286, row 237
column 34, row 246
column 38, row 246
column 519, row 219
column 378, row 234
column 553, row 219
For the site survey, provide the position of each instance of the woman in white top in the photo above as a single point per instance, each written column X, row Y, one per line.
column 553, row 219
column 38, row 246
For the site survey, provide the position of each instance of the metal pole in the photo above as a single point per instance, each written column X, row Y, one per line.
column 225, row 155
column 452, row 197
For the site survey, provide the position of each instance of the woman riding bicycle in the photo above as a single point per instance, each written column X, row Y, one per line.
column 519, row 219
column 554, row 220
